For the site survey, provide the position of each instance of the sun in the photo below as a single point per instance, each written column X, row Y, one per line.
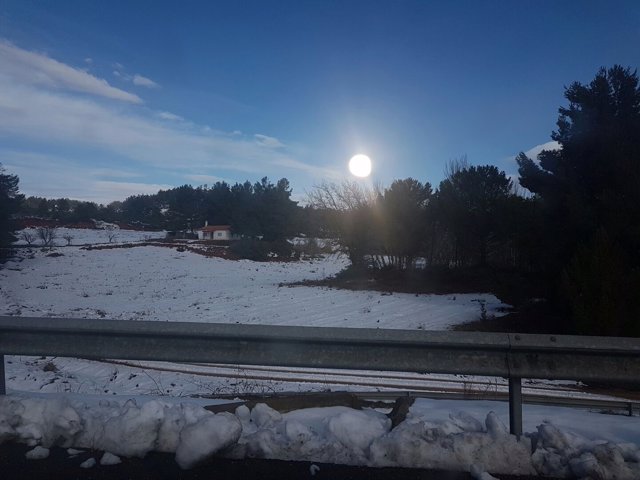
column 360, row 165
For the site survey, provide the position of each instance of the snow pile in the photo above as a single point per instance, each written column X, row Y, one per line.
column 210, row 434
column 454, row 444
column 127, row 430
column 563, row 454
column 332, row 435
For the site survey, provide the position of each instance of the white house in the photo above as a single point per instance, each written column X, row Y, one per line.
column 216, row 232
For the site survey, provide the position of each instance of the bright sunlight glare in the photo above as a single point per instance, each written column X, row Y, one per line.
column 360, row 165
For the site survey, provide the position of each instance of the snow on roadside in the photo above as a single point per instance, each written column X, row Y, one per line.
column 477, row 442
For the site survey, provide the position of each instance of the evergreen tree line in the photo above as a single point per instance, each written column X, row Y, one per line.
column 260, row 209
column 475, row 218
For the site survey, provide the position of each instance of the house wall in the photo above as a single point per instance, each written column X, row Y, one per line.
column 221, row 235
column 218, row 235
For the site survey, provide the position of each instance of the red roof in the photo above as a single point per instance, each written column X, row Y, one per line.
column 215, row 228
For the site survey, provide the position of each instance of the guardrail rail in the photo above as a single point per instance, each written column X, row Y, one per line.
column 512, row 356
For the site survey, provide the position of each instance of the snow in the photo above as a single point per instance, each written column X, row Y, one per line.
column 83, row 236
column 88, row 463
column 99, row 412
column 38, row 453
column 208, row 435
column 159, row 283
column 477, row 472
column 476, row 440
column 110, row 459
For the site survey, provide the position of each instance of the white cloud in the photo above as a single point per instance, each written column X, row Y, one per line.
column 533, row 152
column 59, row 177
column 204, row 179
column 137, row 79
column 34, row 113
column 319, row 172
column 169, row 116
column 114, row 173
column 122, row 190
column 266, row 141
column 29, row 68
column 141, row 81
column 47, row 117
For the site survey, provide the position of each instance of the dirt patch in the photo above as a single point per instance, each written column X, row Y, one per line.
column 518, row 322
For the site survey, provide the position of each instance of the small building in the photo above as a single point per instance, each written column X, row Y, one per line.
column 216, row 232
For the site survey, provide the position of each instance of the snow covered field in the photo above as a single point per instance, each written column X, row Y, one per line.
column 155, row 283
column 81, row 236
column 159, row 283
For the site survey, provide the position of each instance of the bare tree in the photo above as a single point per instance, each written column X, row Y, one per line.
column 456, row 165
column 352, row 205
column 68, row 238
column 345, row 196
column 28, row 236
column 47, row 235
column 112, row 233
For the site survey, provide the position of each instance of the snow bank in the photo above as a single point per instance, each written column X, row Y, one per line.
column 209, row 435
column 333, row 435
column 126, row 430
column 455, row 444
column 563, row 454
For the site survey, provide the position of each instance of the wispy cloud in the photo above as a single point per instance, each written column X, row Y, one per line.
column 267, row 141
column 37, row 113
column 29, row 68
column 144, row 81
column 136, row 79
column 60, row 177
column 203, row 179
column 169, row 116
column 318, row 172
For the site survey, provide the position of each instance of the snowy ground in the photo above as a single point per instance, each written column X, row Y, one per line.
column 81, row 236
column 154, row 283
column 159, row 283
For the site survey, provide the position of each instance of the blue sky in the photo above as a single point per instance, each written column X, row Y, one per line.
column 103, row 99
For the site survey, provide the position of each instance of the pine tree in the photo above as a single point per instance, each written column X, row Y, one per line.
column 590, row 194
column 10, row 200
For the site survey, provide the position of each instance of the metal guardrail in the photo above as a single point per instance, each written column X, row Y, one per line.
column 512, row 356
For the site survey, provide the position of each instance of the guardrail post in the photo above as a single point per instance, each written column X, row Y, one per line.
column 515, row 406
column 3, row 389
